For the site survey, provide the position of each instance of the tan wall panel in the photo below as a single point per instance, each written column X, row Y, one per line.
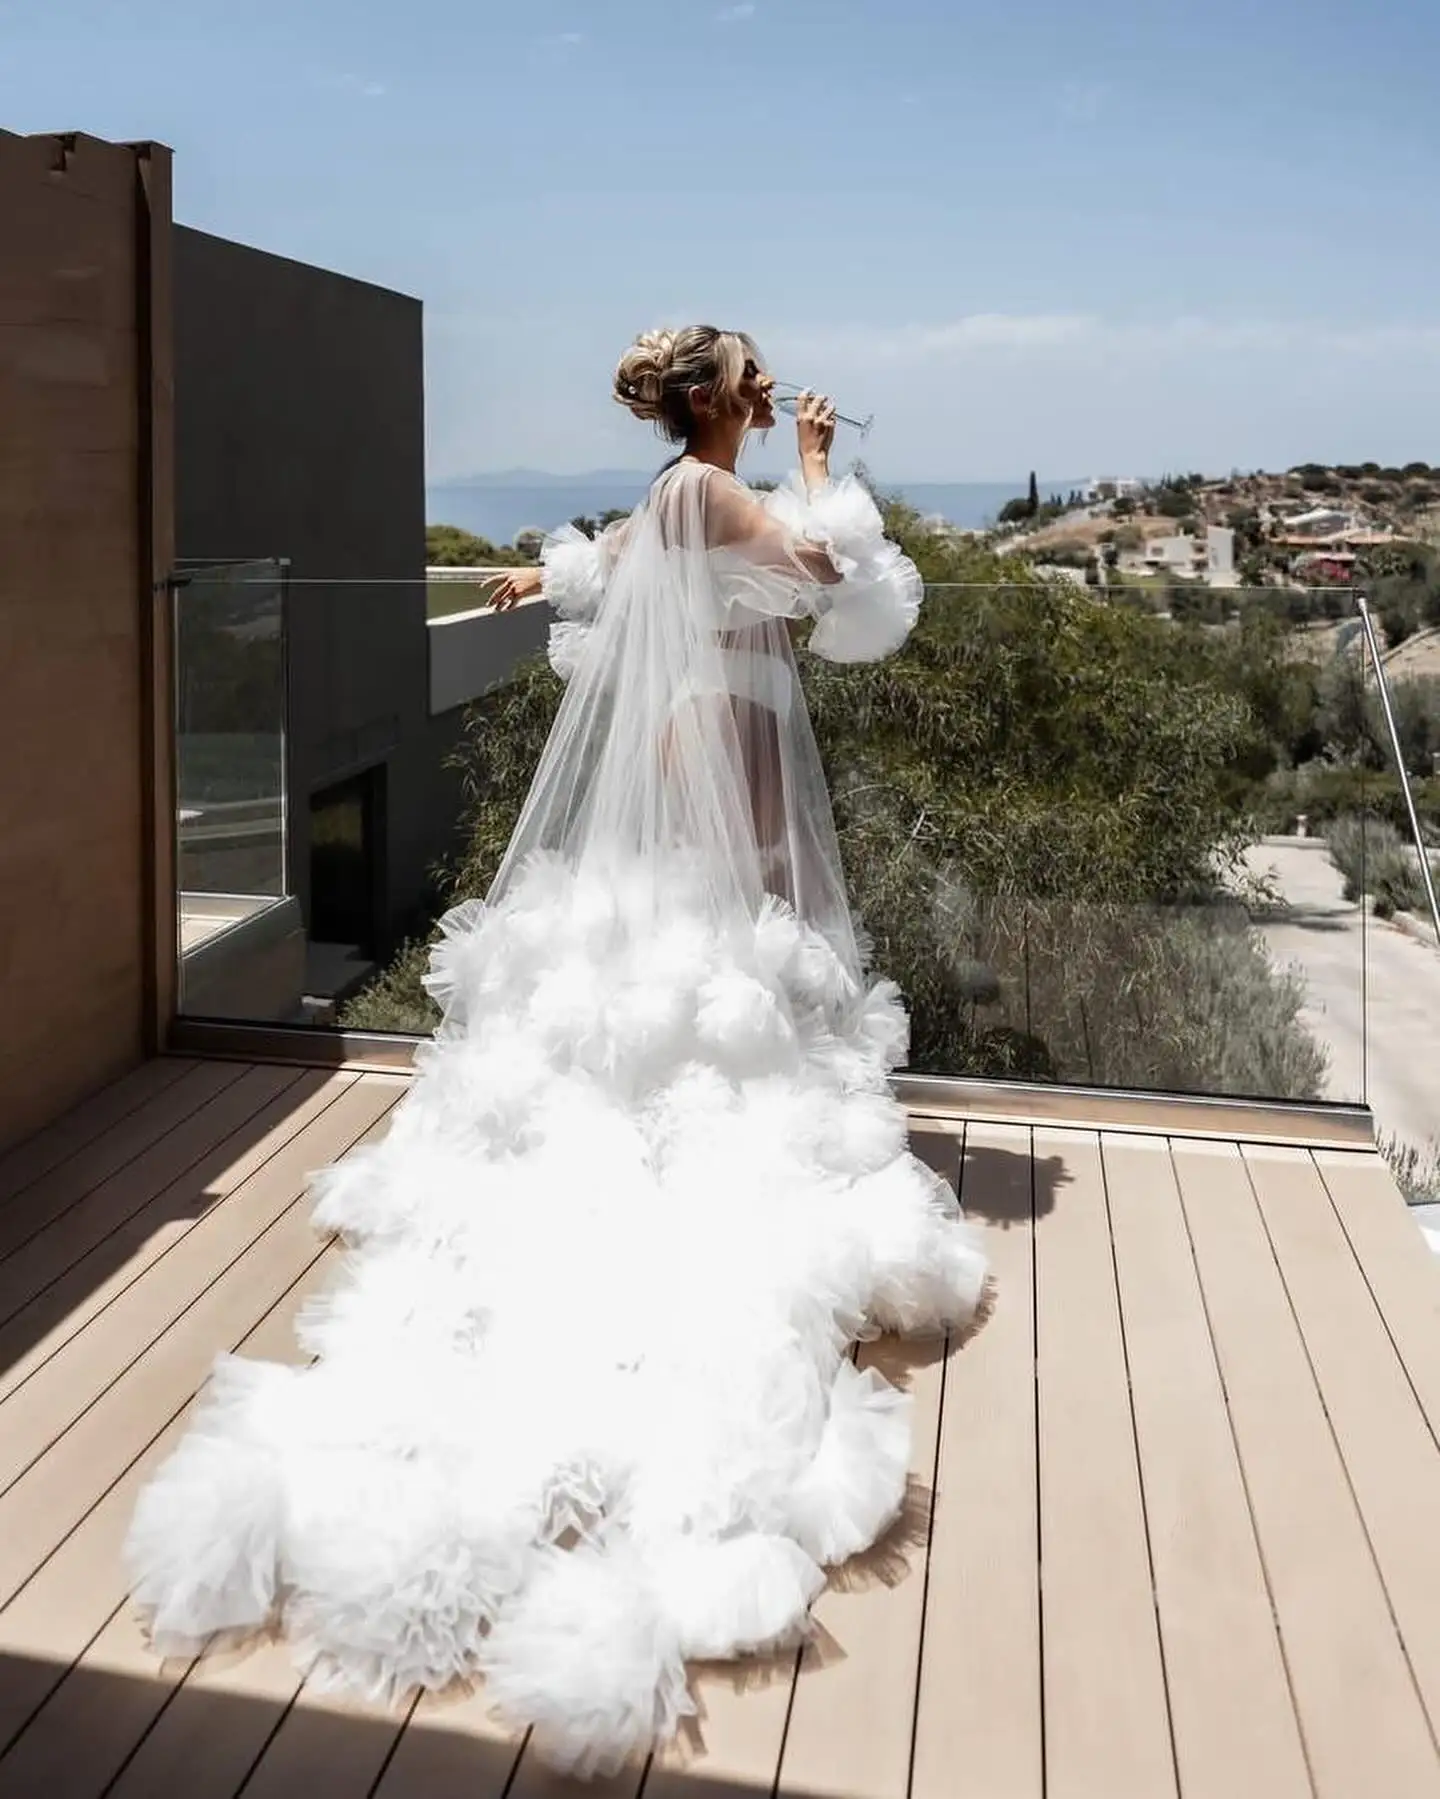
column 74, row 476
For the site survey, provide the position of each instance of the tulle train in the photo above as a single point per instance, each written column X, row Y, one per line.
column 583, row 1408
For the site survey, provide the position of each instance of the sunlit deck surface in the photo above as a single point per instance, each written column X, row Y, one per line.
column 1176, row 1507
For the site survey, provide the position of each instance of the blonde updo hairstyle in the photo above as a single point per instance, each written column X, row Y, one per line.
column 659, row 373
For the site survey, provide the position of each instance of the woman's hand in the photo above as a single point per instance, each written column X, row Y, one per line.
column 815, row 432
column 519, row 584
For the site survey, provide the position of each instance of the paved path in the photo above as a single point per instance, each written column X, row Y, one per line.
column 1360, row 969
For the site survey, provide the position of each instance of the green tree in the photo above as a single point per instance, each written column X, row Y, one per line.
column 448, row 546
column 1033, row 800
column 592, row 527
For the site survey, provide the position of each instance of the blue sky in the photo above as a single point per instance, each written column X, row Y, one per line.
column 1129, row 237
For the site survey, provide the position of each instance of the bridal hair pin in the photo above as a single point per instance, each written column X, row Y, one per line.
column 786, row 397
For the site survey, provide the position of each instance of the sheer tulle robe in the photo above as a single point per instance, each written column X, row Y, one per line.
column 581, row 1409
column 684, row 728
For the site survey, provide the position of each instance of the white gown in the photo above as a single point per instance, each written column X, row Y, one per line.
column 582, row 1409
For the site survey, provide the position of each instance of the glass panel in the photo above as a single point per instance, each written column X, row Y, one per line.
column 1095, row 867
column 1382, row 862
column 241, row 939
column 1094, row 835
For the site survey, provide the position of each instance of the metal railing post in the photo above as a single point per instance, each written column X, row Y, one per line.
column 1426, row 873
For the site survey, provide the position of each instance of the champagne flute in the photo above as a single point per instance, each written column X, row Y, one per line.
column 785, row 397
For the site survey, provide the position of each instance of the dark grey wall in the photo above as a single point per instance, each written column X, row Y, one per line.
column 299, row 416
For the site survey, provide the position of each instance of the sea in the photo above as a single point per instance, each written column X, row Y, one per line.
column 500, row 507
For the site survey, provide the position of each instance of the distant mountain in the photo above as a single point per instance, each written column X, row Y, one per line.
column 501, row 503
column 532, row 478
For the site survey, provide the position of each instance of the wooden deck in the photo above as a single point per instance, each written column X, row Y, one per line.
column 1176, row 1512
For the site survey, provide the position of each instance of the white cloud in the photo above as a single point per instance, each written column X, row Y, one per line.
column 733, row 15
column 994, row 331
column 953, row 339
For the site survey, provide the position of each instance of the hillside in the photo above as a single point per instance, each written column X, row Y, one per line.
column 1313, row 527
column 1416, row 658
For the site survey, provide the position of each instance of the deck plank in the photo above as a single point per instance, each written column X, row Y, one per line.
column 62, row 1305
column 154, row 1142
column 1383, row 1437
column 1400, row 1268
column 978, row 1720
column 733, row 1748
column 44, row 1505
column 74, row 1130
column 200, row 1728
column 1234, row 1722
column 59, row 1392
column 28, row 1268
column 67, row 1605
column 230, row 1704
column 840, row 1718
column 226, row 1708
column 1360, row 1715
column 852, row 1714
column 533, row 1780
column 451, row 1749
column 1106, row 1718
column 338, row 1748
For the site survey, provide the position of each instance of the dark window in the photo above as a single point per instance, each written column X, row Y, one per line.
column 346, row 862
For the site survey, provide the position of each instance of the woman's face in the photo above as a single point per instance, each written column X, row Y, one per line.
column 755, row 391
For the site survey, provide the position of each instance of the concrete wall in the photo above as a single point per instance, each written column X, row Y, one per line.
column 471, row 652
column 300, row 434
column 82, row 405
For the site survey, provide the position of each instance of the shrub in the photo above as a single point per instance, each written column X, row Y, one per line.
column 1323, row 792
column 394, row 999
column 1179, row 998
column 1374, row 859
column 1416, row 1170
column 1347, row 843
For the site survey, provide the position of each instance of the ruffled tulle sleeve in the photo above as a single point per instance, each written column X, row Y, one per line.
column 574, row 570
column 868, row 614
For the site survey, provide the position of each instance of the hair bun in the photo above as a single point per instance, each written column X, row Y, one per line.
column 673, row 379
column 640, row 377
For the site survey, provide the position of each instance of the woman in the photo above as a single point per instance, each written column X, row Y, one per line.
column 582, row 1409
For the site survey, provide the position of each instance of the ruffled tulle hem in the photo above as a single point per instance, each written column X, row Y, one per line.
column 572, row 574
column 583, row 1410
column 873, row 609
